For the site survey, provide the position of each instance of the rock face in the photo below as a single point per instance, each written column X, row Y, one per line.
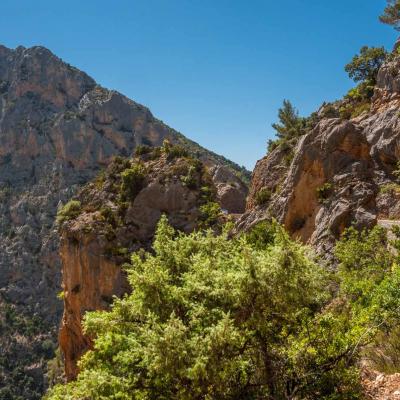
column 112, row 225
column 341, row 174
column 231, row 191
column 58, row 128
column 90, row 280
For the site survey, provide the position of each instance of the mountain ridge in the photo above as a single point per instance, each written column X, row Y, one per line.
column 58, row 129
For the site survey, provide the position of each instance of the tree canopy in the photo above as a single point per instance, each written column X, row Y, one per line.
column 391, row 14
column 365, row 65
column 253, row 317
column 290, row 124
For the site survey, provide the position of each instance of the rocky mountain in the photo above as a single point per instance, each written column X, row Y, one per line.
column 117, row 215
column 58, row 129
column 344, row 172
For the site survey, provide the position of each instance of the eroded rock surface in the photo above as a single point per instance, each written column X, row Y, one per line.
column 58, row 128
column 110, row 226
column 341, row 173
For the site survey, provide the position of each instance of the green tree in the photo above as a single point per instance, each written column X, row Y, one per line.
column 290, row 124
column 217, row 318
column 391, row 14
column 365, row 66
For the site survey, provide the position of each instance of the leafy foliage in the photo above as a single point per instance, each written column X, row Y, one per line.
column 174, row 151
column 209, row 214
column 263, row 196
column 143, row 149
column 290, row 127
column 212, row 318
column 365, row 66
column 370, row 276
column 70, row 211
column 252, row 317
column 132, row 181
column 324, row 191
column 290, row 124
column 391, row 14
column 23, row 330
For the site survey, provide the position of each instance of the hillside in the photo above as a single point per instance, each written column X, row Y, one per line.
column 343, row 172
column 58, row 129
column 333, row 184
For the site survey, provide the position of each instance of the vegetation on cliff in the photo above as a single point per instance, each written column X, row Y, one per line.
column 251, row 317
column 391, row 14
column 108, row 199
column 362, row 68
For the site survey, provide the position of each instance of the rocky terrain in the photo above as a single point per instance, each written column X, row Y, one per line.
column 117, row 215
column 58, row 129
column 343, row 172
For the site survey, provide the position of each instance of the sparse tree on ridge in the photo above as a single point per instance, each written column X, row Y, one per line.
column 364, row 67
column 290, row 124
column 391, row 14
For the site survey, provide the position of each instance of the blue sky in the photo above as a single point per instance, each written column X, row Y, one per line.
column 216, row 70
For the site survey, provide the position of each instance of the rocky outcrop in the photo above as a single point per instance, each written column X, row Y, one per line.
column 341, row 172
column 90, row 281
column 58, row 128
column 112, row 223
column 231, row 191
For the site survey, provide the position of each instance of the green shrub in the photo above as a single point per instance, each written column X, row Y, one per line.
column 209, row 214
column 100, row 180
column 384, row 352
column 55, row 369
column 263, row 196
column 290, row 124
column 262, row 234
column 249, row 317
column 390, row 188
column 391, row 14
column 323, row 192
column 70, row 211
column 176, row 151
column 142, row 149
column 190, row 179
column 215, row 318
column 132, row 182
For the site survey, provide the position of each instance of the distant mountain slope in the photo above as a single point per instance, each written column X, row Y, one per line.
column 58, row 128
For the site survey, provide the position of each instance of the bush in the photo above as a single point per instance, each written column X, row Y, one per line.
column 262, row 234
column 391, row 14
column 212, row 318
column 190, row 179
column 390, row 188
column 290, row 124
column 209, row 214
column 142, row 149
column 132, row 182
column 263, row 196
column 174, row 151
column 324, row 191
column 251, row 317
column 70, row 211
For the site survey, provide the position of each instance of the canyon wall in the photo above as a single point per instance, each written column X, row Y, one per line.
column 58, row 129
column 342, row 173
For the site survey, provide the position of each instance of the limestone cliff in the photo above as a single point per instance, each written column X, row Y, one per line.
column 117, row 215
column 342, row 173
column 58, row 128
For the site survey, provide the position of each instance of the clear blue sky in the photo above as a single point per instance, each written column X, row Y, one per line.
column 216, row 70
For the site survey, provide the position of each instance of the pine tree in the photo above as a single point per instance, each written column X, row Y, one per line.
column 391, row 14
column 291, row 125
